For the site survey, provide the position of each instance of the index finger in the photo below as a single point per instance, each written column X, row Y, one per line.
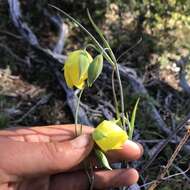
column 51, row 133
column 59, row 133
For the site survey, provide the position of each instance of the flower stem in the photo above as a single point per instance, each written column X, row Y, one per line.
column 121, row 95
column 116, row 69
column 114, row 95
column 76, row 114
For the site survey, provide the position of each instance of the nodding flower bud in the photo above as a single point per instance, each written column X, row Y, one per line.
column 108, row 136
column 76, row 68
column 95, row 69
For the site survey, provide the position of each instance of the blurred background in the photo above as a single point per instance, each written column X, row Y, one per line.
column 150, row 38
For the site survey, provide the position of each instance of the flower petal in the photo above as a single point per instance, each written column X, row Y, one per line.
column 68, row 79
column 72, row 68
column 112, row 136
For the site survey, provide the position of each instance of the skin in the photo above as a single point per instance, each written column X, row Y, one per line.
column 52, row 158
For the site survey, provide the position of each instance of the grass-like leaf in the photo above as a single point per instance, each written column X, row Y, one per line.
column 132, row 122
column 101, row 36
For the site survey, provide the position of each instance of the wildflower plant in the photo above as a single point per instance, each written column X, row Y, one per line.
column 81, row 71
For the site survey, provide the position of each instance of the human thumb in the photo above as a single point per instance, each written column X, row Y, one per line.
column 26, row 159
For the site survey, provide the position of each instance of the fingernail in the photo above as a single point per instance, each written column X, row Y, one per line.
column 140, row 147
column 135, row 145
column 81, row 141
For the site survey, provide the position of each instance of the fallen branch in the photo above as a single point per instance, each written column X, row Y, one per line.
column 63, row 31
column 47, row 56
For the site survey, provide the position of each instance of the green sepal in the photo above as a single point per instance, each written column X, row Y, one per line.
column 132, row 122
column 95, row 69
column 102, row 159
column 98, row 135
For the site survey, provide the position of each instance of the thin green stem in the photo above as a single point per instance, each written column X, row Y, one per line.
column 88, row 166
column 121, row 95
column 115, row 65
column 76, row 114
column 102, row 37
column 110, row 57
column 92, row 177
column 125, row 52
column 114, row 95
column 92, row 46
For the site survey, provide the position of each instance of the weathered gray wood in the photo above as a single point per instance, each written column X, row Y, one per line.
column 47, row 56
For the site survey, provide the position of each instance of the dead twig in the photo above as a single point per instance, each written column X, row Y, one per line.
column 11, row 53
column 170, row 161
column 168, row 177
column 178, row 128
column 182, row 172
column 155, row 148
column 42, row 101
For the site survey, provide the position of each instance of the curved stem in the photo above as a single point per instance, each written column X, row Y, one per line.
column 125, row 52
column 100, row 48
column 76, row 114
column 92, row 46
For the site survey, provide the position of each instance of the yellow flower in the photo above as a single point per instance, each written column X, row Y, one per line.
column 108, row 135
column 76, row 68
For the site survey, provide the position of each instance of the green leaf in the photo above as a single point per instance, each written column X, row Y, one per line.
column 132, row 122
column 83, row 64
column 98, row 135
column 95, row 69
column 102, row 159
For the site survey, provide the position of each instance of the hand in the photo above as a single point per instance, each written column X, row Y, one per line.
column 49, row 158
